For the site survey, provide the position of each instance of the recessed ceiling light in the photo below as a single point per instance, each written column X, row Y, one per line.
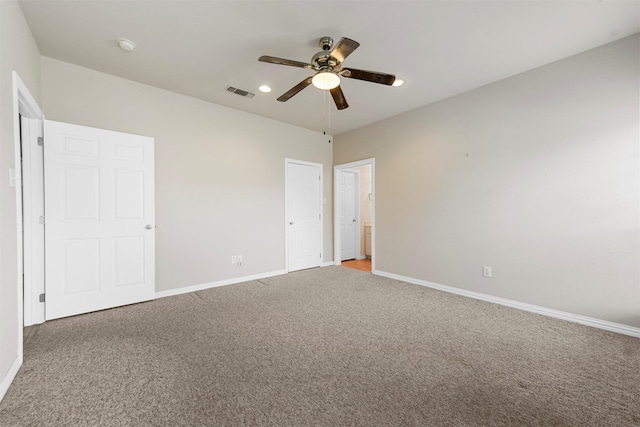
column 126, row 45
column 264, row 88
column 398, row 82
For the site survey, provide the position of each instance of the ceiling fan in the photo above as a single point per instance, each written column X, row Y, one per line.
column 328, row 67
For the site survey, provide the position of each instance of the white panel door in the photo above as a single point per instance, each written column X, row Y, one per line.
column 100, row 219
column 304, row 221
column 348, row 193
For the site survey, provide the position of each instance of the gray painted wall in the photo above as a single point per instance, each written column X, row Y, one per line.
column 219, row 172
column 536, row 176
column 18, row 52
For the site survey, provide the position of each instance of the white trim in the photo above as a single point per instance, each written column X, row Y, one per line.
column 203, row 286
column 23, row 104
column 562, row 315
column 327, row 264
column 25, row 184
column 8, row 379
column 22, row 98
column 336, row 208
column 320, row 167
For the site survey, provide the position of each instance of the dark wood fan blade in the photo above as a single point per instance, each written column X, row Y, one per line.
column 294, row 90
column 338, row 98
column 369, row 76
column 282, row 61
column 344, row 48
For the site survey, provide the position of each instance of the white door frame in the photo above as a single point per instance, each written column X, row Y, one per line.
column 358, row 234
column 320, row 166
column 336, row 209
column 23, row 105
column 32, row 177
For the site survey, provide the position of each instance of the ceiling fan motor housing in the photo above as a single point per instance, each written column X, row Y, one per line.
column 323, row 59
column 326, row 43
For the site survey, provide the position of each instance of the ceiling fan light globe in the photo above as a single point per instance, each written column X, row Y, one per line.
column 326, row 80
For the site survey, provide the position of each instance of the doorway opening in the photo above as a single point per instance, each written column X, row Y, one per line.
column 361, row 215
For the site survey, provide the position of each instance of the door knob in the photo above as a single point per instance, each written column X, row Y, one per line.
column 291, row 223
column 148, row 227
column 354, row 220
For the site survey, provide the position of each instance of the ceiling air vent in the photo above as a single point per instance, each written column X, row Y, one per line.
column 240, row 92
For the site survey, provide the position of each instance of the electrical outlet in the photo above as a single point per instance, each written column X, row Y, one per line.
column 486, row 271
column 239, row 259
column 234, row 260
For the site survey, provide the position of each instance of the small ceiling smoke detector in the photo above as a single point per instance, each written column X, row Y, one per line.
column 126, row 45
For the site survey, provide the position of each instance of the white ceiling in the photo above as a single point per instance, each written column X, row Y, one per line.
column 441, row 48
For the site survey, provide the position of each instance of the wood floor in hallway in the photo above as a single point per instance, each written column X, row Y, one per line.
column 358, row 264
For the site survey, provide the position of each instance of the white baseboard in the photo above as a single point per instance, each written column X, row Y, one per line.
column 563, row 315
column 359, row 257
column 203, row 286
column 8, row 379
column 328, row 263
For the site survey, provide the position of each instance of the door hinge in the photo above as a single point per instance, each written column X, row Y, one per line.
column 41, row 141
column 319, row 216
column 319, row 177
column 41, row 219
column 320, row 254
column 41, row 299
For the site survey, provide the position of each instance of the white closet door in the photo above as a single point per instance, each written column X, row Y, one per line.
column 304, row 193
column 100, row 219
column 348, row 193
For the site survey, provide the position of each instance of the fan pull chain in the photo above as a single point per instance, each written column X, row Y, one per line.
column 329, row 116
column 327, row 105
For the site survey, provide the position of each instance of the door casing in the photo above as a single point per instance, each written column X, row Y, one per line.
column 336, row 209
column 26, row 106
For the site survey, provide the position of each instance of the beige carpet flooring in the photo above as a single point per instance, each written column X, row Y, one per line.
column 323, row 347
